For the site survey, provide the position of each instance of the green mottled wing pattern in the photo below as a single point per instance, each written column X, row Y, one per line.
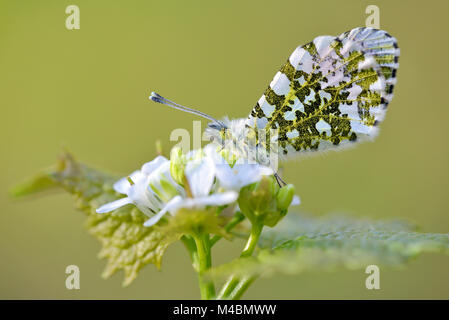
column 330, row 92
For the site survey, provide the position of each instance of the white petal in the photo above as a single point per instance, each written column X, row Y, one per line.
column 145, row 209
column 296, row 201
column 151, row 166
column 247, row 173
column 200, row 176
column 192, row 154
column 137, row 176
column 211, row 152
column 217, row 199
column 114, row 205
column 144, row 198
column 226, row 177
column 223, row 171
column 172, row 205
column 123, row 185
column 240, row 175
column 162, row 171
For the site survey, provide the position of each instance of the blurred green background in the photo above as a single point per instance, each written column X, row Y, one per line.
column 87, row 90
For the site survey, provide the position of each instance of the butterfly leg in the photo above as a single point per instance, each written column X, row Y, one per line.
column 279, row 180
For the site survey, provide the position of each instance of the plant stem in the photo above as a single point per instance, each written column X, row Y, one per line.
column 251, row 244
column 189, row 243
column 234, row 280
column 241, row 287
column 207, row 288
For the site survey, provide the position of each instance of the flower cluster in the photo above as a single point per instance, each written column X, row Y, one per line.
column 201, row 179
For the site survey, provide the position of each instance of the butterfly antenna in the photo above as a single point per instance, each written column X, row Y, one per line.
column 279, row 180
column 160, row 99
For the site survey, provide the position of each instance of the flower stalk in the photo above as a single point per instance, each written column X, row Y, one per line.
column 241, row 288
column 204, row 262
column 234, row 283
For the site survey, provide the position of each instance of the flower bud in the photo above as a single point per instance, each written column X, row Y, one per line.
column 177, row 165
column 285, row 196
column 265, row 202
column 258, row 200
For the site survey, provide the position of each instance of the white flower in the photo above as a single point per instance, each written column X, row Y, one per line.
column 144, row 188
column 239, row 175
column 209, row 179
column 200, row 174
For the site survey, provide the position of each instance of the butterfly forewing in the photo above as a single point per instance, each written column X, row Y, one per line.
column 330, row 92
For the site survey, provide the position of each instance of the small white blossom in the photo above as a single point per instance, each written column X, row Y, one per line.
column 209, row 181
column 200, row 174
column 239, row 175
column 143, row 188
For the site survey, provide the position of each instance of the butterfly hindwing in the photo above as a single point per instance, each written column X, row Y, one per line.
column 330, row 92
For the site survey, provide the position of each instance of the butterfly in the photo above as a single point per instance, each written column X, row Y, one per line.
column 330, row 94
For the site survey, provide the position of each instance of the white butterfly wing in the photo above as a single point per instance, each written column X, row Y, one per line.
column 331, row 92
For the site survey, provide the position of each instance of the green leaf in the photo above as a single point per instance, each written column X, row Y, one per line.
column 39, row 183
column 300, row 243
column 126, row 243
column 329, row 227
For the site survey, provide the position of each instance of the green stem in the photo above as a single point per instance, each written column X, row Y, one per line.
column 189, row 243
column 207, row 288
column 251, row 244
column 234, row 280
column 241, row 287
